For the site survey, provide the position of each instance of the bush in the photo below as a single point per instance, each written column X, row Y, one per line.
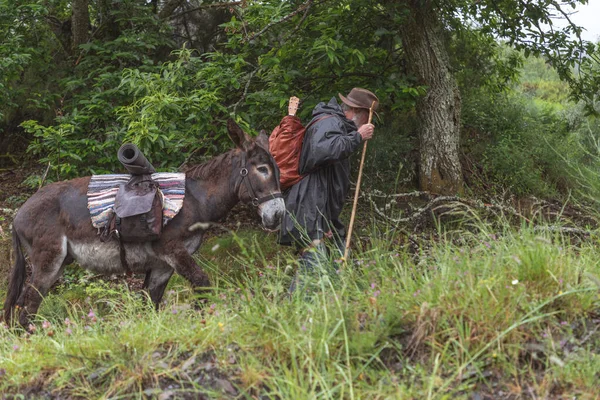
column 391, row 160
column 168, row 111
column 519, row 145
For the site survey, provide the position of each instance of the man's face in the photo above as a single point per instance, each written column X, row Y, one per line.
column 359, row 116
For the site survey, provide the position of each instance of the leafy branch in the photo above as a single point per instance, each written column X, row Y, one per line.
column 304, row 6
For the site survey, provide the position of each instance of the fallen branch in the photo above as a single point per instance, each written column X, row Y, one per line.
column 440, row 206
column 448, row 205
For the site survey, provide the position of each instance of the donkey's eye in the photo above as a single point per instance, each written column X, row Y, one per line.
column 263, row 170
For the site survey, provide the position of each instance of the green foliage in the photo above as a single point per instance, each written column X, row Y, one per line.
column 487, row 310
column 57, row 147
column 11, row 65
column 531, row 139
column 520, row 145
column 133, row 82
column 585, row 173
column 25, row 59
column 525, row 27
column 541, row 82
column 118, row 92
column 122, row 87
column 85, row 134
column 178, row 108
column 482, row 63
column 315, row 56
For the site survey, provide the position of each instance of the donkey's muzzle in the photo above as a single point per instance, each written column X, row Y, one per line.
column 272, row 212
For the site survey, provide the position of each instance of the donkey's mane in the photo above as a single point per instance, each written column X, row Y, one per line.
column 212, row 167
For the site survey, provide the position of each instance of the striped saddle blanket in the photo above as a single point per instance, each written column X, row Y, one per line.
column 102, row 191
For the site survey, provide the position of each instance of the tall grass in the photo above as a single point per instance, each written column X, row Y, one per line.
column 513, row 311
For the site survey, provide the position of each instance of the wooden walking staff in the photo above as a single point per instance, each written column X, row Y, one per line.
column 360, row 170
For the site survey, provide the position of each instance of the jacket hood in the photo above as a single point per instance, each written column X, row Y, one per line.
column 333, row 108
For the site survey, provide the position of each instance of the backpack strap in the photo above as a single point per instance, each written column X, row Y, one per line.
column 314, row 121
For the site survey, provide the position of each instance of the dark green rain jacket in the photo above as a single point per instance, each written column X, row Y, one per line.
column 314, row 204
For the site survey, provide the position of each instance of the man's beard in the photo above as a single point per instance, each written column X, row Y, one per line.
column 357, row 119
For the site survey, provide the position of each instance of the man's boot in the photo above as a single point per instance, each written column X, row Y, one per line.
column 311, row 266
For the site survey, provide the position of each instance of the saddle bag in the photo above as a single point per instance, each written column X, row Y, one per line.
column 138, row 210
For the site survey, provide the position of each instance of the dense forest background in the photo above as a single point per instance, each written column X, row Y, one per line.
column 481, row 93
column 475, row 265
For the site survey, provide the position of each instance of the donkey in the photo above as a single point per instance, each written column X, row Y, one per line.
column 55, row 229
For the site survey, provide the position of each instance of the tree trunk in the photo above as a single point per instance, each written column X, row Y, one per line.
column 80, row 23
column 439, row 109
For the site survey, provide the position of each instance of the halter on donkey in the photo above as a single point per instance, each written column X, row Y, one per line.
column 55, row 229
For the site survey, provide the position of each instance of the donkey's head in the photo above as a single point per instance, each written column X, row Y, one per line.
column 257, row 181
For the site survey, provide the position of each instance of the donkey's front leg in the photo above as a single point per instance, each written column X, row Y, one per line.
column 183, row 263
column 157, row 278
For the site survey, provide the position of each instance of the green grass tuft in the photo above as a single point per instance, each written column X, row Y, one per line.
column 515, row 312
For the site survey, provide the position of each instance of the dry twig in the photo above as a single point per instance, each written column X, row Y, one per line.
column 439, row 205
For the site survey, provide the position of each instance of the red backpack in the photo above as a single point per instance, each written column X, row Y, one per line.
column 285, row 145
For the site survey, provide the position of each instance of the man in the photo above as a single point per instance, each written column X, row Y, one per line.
column 314, row 204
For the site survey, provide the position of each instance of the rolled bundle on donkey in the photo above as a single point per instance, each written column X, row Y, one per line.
column 134, row 161
column 63, row 221
column 138, row 206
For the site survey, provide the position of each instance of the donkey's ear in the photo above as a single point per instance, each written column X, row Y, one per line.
column 239, row 137
column 262, row 140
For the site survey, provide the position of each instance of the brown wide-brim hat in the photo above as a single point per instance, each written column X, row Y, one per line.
column 361, row 98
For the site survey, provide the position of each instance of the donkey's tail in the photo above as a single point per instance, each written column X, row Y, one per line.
column 17, row 279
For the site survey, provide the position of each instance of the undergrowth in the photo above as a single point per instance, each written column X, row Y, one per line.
column 506, row 312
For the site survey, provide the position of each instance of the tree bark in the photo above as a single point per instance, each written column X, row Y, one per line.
column 80, row 23
column 439, row 109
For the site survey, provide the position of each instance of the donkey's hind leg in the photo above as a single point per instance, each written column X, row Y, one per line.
column 156, row 281
column 47, row 266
